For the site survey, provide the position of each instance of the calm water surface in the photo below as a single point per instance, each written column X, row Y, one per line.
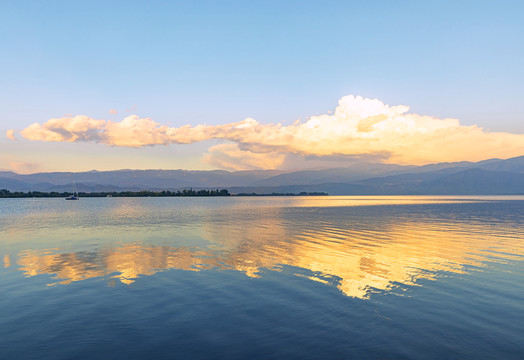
column 258, row 278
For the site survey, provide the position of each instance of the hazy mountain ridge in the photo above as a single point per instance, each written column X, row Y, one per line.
column 349, row 174
column 493, row 176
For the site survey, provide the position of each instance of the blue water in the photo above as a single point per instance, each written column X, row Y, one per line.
column 401, row 277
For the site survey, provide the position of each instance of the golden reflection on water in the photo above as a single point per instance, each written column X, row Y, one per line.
column 357, row 260
column 128, row 262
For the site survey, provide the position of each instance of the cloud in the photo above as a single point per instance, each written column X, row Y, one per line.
column 22, row 167
column 358, row 127
column 231, row 157
column 69, row 129
column 10, row 134
column 113, row 111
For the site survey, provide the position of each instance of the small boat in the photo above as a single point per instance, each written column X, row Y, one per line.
column 75, row 194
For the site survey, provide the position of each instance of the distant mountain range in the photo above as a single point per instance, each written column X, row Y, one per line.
column 491, row 177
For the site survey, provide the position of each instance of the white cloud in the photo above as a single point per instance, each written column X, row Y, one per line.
column 358, row 127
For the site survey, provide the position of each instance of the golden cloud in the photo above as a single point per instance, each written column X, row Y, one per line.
column 10, row 134
column 23, row 167
column 358, row 127
column 231, row 157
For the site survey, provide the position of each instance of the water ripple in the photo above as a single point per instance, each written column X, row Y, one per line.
column 366, row 248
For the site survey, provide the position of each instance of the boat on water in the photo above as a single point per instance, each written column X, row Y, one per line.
column 74, row 196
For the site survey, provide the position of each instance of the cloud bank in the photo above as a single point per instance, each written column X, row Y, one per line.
column 359, row 127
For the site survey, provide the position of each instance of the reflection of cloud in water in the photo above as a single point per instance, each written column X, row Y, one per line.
column 355, row 259
column 129, row 262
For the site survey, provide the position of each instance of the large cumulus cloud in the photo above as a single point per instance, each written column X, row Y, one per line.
column 358, row 127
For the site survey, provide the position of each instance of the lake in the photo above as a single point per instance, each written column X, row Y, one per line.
column 391, row 277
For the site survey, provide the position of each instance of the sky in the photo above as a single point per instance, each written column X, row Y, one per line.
column 241, row 85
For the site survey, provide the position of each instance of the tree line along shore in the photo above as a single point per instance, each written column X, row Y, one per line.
column 4, row 193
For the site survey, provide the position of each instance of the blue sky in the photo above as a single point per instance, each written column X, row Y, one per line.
column 217, row 62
